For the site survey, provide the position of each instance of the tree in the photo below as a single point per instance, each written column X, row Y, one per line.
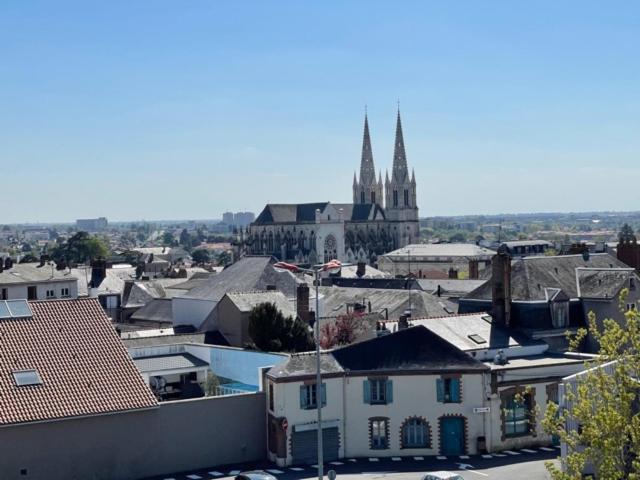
column 168, row 239
column 224, row 259
column 272, row 332
column 342, row 331
column 80, row 248
column 185, row 239
column 605, row 405
column 201, row 256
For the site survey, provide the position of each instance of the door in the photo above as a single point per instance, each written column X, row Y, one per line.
column 452, row 436
column 304, row 446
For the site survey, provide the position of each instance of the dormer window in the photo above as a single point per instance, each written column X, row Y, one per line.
column 26, row 378
column 632, row 283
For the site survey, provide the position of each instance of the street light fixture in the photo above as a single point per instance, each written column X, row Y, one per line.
column 332, row 266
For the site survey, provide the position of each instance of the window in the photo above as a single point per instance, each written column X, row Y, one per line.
column 4, row 294
column 51, row 294
column 516, row 411
column 448, row 390
column 415, row 433
column 378, row 391
column 362, row 197
column 25, row 378
column 632, row 283
column 406, row 198
column 395, row 198
column 271, row 397
column 373, row 197
column 379, row 433
column 308, row 397
column 631, row 306
column 32, row 293
column 64, row 292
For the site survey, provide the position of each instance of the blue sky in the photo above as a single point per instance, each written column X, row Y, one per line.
column 156, row 110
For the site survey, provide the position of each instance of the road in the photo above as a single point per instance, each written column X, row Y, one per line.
column 518, row 465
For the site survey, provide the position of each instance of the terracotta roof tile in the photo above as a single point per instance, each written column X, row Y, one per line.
column 84, row 367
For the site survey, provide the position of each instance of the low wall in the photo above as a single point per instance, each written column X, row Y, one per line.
column 176, row 436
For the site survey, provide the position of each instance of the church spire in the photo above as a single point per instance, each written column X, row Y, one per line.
column 399, row 172
column 367, row 168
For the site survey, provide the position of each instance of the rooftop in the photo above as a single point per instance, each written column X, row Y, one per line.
column 33, row 272
column 69, row 343
column 176, row 361
column 439, row 250
column 245, row 301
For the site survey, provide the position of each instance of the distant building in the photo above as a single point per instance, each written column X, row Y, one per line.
column 521, row 248
column 238, row 219
column 99, row 224
column 227, row 217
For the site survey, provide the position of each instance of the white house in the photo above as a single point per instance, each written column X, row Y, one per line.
column 36, row 281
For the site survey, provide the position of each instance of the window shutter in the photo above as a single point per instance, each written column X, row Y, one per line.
column 440, row 389
column 455, row 390
column 389, row 391
column 323, row 391
column 367, row 391
column 303, row 396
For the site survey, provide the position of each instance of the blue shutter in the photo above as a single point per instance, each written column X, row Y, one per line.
column 389, row 391
column 440, row 389
column 303, row 396
column 455, row 390
column 366, row 391
column 323, row 391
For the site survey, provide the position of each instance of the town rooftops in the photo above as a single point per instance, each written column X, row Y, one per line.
column 530, row 276
column 440, row 252
column 34, row 273
column 246, row 301
column 412, row 350
column 76, row 365
column 156, row 310
column 604, row 283
column 248, row 274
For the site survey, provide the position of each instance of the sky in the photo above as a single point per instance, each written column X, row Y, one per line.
column 183, row 110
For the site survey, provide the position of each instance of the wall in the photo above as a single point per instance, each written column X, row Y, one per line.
column 229, row 322
column 15, row 292
column 175, row 436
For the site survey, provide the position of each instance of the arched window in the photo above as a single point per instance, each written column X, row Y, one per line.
column 270, row 243
column 312, row 241
column 330, row 248
column 395, row 198
column 406, row 197
column 415, row 433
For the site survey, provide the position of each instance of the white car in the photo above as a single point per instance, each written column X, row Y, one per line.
column 442, row 475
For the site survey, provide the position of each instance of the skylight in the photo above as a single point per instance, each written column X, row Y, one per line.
column 24, row 378
column 15, row 309
column 477, row 338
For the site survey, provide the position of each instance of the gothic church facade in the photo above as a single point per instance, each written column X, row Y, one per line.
column 382, row 217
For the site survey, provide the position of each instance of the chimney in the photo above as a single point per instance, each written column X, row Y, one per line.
column 302, row 302
column 403, row 322
column 8, row 263
column 98, row 272
column 501, row 287
column 453, row 273
column 361, row 269
column 474, row 272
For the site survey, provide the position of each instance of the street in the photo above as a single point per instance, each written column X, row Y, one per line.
column 527, row 464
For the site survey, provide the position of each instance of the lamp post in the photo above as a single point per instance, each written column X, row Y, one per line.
column 331, row 266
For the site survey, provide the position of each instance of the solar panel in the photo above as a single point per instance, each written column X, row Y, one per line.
column 4, row 310
column 19, row 308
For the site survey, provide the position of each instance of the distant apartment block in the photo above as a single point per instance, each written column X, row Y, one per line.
column 238, row 219
column 92, row 224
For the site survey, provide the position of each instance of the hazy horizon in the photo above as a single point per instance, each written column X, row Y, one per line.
column 187, row 110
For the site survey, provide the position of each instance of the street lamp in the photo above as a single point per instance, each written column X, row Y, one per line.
column 332, row 266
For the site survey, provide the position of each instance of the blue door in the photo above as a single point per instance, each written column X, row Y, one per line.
column 452, row 436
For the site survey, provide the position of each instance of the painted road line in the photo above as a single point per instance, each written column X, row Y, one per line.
column 546, row 449
column 511, row 452
column 374, row 459
column 337, row 463
column 528, row 450
column 499, row 455
column 353, row 460
column 194, row 477
column 234, row 472
column 396, row 459
column 487, row 456
column 216, row 474
column 275, row 472
column 418, row 458
column 464, row 457
column 441, row 458
column 297, row 469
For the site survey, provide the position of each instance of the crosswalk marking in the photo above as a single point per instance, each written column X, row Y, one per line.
column 527, row 450
column 194, row 477
column 275, row 472
column 511, row 452
column 337, row 463
column 396, row 459
column 441, row 458
column 487, row 456
column 297, row 469
column 215, row 474
column 353, row 460
column 418, row 458
column 499, row 455
column 234, row 472
column 464, row 457
column 546, row 449
column 373, row 459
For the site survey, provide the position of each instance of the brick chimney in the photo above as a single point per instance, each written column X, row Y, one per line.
column 98, row 272
column 501, row 287
column 474, row 272
column 361, row 269
column 302, row 302
column 628, row 248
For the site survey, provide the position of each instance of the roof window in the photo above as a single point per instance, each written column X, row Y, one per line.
column 15, row 309
column 25, row 378
column 477, row 338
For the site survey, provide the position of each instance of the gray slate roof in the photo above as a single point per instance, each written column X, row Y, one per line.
column 168, row 362
column 531, row 275
column 449, row 287
column 156, row 310
column 32, row 272
column 604, row 284
column 245, row 301
column 396, row 301
column 250, row 273
column 306, row 212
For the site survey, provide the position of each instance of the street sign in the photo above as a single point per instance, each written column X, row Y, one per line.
column 481, row 409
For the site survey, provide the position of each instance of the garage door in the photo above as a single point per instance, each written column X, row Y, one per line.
column 305, row 446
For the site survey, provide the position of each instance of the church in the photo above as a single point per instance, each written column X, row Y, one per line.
column 382, row 217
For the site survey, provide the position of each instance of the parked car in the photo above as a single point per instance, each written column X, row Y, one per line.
column 442, row 475
column 255, row 475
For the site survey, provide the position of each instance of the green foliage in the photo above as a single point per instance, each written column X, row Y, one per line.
column 272, row 332
column 185, row 239
column 201, row 256
column 168, row 239
column 211, row 384
column 605, row 405
column 224, row 259
column 80, row 248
